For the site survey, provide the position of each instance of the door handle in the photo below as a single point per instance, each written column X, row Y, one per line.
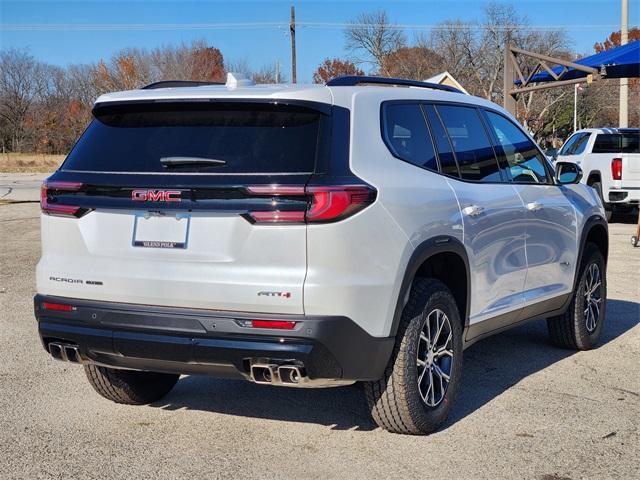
column 534, row 206
column 473, row 210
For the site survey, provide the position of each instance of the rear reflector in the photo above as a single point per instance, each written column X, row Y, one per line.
column 59, row 307
column 57, row 208
column 277, row 324
column 616, row 168
column 326, row 203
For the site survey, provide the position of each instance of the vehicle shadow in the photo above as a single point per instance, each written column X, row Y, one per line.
column 490, row 367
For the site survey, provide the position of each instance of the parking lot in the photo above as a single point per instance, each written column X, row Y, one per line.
column 526, row 409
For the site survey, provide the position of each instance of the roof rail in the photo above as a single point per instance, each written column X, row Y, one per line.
column 354, row 80
column 178, row 83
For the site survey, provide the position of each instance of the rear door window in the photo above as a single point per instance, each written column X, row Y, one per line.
column 406, row 135
column 448, row 164
column 213, row 138
column 472, row 147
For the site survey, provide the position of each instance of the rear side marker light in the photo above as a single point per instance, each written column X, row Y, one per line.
column 616, row 168
column 325, row 203
column 58, row 307
column 276, row 324
column 57, row 208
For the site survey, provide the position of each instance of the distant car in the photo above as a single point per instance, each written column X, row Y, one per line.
column 610, row 161
column 311, row 235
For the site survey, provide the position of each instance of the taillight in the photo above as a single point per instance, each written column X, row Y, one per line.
column 326, row 203
column 616, row 168
column 56, row 208
column 58, row 307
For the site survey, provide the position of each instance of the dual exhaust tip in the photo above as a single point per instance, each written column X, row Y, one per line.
column 65, row 352
column 272, row 374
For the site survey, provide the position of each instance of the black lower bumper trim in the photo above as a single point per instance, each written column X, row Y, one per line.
column 196, row 341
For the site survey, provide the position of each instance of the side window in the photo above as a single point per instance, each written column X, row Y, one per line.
column 580, row 144
column 521, row 154
column 406, row 135
column 576, row 144
column 448, row 164
column 473, row 150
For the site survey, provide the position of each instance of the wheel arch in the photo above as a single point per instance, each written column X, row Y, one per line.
column 422, row 263
column 594, row 176
column 595, row 230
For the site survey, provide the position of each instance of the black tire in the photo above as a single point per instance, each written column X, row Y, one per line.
column 608, row 209
column 129, row 386
column 396, row 401
column 570, row 330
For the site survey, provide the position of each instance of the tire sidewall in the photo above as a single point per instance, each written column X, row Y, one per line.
column 584, row 339
column 427, row 418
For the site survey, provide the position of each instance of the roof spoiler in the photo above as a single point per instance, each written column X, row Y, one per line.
column 178, row 83
column 355, row 80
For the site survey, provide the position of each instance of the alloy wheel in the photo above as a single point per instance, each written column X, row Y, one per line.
column 435, row 357
column 592, row 297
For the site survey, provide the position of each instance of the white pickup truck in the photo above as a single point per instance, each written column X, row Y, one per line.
column 610, row 161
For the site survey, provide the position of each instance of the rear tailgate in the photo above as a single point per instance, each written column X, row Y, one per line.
column 154, row 206
column 630, row 170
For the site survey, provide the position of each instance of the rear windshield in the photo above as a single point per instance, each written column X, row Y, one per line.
column 211, row 138
column 617, row 143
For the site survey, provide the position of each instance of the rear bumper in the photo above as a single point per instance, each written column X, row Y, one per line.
column 195, row 341
column 625, row 195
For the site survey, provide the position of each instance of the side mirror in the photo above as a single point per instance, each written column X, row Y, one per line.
column 568, row 173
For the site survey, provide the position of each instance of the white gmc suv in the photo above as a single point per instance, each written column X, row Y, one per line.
column 369, row 229
column 610, row 160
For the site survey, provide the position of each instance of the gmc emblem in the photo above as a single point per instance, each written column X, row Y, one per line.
column 156, row 195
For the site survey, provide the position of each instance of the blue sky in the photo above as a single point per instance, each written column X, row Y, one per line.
column 41, row 25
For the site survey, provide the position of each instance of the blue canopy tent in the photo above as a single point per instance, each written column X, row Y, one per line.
column 619, row 62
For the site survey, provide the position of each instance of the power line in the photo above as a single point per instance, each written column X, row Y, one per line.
column 17, row 27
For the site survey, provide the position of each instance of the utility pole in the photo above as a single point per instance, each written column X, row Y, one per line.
column 277, row 71
column 624, row 82
column 575, row 107
column 292, row 29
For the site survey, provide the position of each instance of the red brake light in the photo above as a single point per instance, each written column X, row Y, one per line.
column 57, row 208
column 59, row 307
column 616, row 168
column 277, row 324
column 327, row 204
column 334, row 203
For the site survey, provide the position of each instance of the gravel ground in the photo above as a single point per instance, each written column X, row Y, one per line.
column 526, row 409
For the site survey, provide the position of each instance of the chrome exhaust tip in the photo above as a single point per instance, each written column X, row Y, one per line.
column 56, row 351
column 65, row 353
column 72, row 353
column 291, row 374
column 264, row 373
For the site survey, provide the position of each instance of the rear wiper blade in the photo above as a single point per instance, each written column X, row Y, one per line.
column 176, row 162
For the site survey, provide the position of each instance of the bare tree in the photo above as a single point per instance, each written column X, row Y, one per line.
column 418, row 63
column 22, row 81
column 371, row 38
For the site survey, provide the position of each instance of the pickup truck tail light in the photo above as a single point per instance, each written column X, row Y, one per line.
column 616, row 168
column 327, row 203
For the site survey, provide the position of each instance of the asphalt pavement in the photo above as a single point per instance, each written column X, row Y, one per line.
column 526, row 409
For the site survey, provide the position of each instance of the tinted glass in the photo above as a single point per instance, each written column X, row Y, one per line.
column 617, row 143
column 580, row 145
column 570, row 144
column 406, row 135
column 448, row 164
column 228, row 138
column 471, row 145
column 525, row 162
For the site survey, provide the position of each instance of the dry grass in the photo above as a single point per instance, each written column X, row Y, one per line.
column 29, row 162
